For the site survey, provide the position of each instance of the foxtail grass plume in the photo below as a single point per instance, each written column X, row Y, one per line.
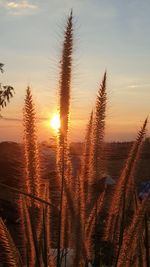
column 98, row 139
column 32, row 171
column 99, row 130
column 65, row 76
column 115, row 224
column 97, row 153
column 132, row 233
column 64, row 92
column 32, row 162
column 82, row 187
column 9, row 255
column 85, row 175
column 131, row 194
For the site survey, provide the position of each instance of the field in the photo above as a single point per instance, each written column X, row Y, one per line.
column 11, row 158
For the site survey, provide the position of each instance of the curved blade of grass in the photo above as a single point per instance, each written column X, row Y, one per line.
column 9, row 254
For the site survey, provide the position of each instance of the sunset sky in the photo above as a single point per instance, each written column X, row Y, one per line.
column 112, row 35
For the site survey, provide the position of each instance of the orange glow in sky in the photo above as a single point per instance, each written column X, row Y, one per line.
column 116, row 38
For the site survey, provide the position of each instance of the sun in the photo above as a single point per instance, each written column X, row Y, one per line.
column 55, row 122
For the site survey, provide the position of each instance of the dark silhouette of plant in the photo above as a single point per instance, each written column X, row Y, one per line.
column 1, row 67
column 6, row 91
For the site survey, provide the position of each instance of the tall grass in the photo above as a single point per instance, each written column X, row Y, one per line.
column 62, row 150
column 131, row 235
column 118, row 212
column 85, row 177
column 32, row 172
column 82, row 197
column 31, row 216
column 99, row 130
column 97, row 153
column 9, row 255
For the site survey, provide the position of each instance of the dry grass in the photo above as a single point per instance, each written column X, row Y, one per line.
column 125, row 240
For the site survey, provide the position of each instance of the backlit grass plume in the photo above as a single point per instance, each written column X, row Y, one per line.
column 85, row 175
column 132, row 234
column 117, row 216
column 83, row 185
column 9, row 255
column 65, row 76
column 98, row 135
column 99, row 128
column 32, row 165
column 131, row 194
column 65, row 86
column 32, row 172
column 97, row 153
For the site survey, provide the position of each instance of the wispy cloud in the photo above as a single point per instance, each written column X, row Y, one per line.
column 39, row 119
column 132, row 86
column 22, row 7
column 9, row 119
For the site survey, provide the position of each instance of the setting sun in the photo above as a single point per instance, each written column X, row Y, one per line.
column 55, row 122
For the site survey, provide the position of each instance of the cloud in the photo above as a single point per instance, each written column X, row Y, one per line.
column 132, row 86
column 22, row 7
column 9, row 119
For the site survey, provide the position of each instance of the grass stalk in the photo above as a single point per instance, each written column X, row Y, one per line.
column 65, row 84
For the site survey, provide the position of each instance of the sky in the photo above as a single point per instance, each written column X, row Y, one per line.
column 109, row 35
